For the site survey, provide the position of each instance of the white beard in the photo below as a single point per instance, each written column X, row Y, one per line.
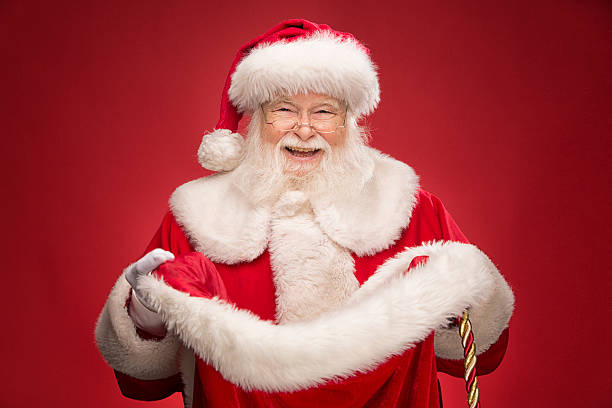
column 265, row 173
column 312, row 274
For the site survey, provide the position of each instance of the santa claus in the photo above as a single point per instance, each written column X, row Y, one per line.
column 311, row 270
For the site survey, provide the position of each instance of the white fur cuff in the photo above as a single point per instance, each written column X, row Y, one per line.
column 124, row 350
column 221, row 150
column 488, row 319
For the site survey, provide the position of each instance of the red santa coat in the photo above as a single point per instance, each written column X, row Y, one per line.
column 386, row 367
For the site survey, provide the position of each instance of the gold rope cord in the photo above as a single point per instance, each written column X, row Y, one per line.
column 469, row 363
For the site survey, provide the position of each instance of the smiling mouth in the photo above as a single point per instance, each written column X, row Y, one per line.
column 302, row 152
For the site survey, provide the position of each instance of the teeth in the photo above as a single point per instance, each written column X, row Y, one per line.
column 301, row 149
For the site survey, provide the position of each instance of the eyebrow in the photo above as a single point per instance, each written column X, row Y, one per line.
column 328, row 102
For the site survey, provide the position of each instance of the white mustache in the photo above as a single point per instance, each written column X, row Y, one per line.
column 293, row 141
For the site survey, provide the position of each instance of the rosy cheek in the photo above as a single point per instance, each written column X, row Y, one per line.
column 271, row 136
column 334, row 139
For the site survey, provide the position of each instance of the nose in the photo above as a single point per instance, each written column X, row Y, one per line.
column 304, row 131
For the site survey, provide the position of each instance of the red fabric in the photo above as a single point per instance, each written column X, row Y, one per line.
column 193, row 273
column 409, row 380
column 148, row 390
column 416, row 261
column 486, row 362
column 286, row 31
column 381, row 387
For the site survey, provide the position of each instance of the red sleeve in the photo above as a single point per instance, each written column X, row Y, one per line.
column 490, row 359
column 148, row 390
column 486, row 362
column 170, row 237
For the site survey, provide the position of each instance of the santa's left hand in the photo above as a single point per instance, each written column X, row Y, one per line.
column 145, row 266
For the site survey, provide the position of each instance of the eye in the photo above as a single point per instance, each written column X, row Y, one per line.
column 322, row 114
column 284, row 110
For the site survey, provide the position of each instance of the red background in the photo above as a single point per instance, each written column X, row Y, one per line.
column 502, row 107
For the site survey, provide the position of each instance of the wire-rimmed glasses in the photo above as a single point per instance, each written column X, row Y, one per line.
column 320, row 121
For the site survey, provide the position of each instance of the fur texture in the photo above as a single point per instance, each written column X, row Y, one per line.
column 488, row 321
column 386, row 202
column 221, row 150
column 124, row 350
column 219, row 219
column 224, row 224
column 312, row 274
column 321, row 63
column 388, row 315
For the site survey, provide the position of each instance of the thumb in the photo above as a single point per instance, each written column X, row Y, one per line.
column 147, row 264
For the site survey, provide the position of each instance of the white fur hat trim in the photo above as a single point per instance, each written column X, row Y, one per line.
column 321, row 63
column 221, row 150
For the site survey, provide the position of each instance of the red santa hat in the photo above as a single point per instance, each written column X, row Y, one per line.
column 296, row 56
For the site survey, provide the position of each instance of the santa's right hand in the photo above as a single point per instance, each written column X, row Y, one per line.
column 145, row 266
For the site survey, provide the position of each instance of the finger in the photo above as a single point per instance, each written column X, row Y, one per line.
column 131, row 274
column 160, row 258
column 152, row 260
column 158, row 251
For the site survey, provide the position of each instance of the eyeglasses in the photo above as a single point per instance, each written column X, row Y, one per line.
column 321, row 121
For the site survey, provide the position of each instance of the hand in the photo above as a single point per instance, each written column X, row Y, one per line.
column 145, row 266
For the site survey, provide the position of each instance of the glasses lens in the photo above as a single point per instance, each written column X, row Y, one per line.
column 325, row 126
column 284, row 124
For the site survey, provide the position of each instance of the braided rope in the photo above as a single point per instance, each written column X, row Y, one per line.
column 469, row 353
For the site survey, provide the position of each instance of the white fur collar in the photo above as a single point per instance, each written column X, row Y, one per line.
column 219, row 220
column 223, row 224
column 374, row 220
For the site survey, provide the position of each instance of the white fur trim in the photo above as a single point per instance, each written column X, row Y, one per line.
column 488, row 321
column 224, row 225
column 321, row 63
column 311, row 273
column 221, row 150
column 374, row 220
column 219, row 219
column 396, row 311
column 127, row 352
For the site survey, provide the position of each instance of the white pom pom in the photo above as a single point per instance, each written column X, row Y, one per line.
column 221, row 150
